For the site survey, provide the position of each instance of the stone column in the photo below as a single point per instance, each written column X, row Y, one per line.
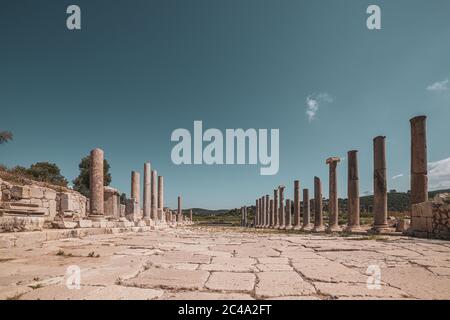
column 281, row 216
column 190, row 215
column 154, row 202
column 160, row 197
column 267, row 201
column 275, row 209
column 256, row 214
column 147, row 188
column 297, row 219
column 288, row 215
column 353, row 192
column 333, row 225
column 135, row 186
column 245, row 216
column 180, row 210
column 242, row 216
column 318, row 206
column 307, row 225
column 419, row 171
column 379, row 184
column 271, row 213
column 96, row 192
column 264, row 209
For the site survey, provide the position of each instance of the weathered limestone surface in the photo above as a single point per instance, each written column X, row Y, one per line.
column 160, row 198
column 275, row 209
column 154, row 202
column 225, row 263
column 307, row 225
column 281, row 215
column 135, row 186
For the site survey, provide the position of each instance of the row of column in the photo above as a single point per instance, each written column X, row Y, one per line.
column 277, row 213
column 153, row 201
column 153, row 193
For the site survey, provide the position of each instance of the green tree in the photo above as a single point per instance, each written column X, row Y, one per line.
column 81, row 183
column 47, row 172
column 5, row 136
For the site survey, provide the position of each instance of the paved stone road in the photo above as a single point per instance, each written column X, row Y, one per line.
column 227, row 263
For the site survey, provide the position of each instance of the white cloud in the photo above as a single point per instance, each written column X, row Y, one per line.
column 439, row 86
column 313, row 103
column 439, row 174
column 397, row 176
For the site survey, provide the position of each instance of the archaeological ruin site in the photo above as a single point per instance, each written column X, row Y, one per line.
column 56, row 243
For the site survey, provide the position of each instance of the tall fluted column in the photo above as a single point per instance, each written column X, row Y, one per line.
column 379, row 184
column 281, row 215
column 297, row 219
column 147, row 189
column 154, row 202
column 333, row 225
column 267, row 205
column 271, row 215
column 419, row 170
column 318, row 206
column 96, row 185
column 353, row 192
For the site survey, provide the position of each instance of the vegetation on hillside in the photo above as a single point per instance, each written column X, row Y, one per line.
column 40, row 171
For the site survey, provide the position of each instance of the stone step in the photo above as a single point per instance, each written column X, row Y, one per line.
column 21, row 206
column 21, row 212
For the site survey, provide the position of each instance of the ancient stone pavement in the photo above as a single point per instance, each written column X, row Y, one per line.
column 227, row 263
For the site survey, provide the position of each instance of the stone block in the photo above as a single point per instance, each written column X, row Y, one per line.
column 64, row 224
column 19, row 223
column 84, row 223
column 50, row 194
column 20, row 192
column 403, row 225
column 36, row 192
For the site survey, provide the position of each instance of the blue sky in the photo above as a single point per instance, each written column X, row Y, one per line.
column 140, row 69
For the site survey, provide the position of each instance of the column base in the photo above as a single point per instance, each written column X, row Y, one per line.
column 353, row 229
column 298, row 228
column 96, row 217
column 381, row 229
column 308, row 227
column 288, row 227
column 320, row 228
column 333, row 228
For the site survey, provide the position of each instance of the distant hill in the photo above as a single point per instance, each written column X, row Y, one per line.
column 207, row 212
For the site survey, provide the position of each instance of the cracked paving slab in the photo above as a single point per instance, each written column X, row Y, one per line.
column 219, row 263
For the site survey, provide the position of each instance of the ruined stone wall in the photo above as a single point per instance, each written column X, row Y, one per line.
column 29, row 207
column 430, row 219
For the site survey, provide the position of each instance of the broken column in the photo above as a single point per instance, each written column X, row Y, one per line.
column 307, row 225
column 147, row 188
column 160, row 198
column 281, row 216
column 419, row 178
column 96, row 192
column 297, row 218
column 318, row 206
column 379, row 184
column 275, row 209
column 112, row 202
column 353, row 192
column 154, row 200
column 333, row 224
